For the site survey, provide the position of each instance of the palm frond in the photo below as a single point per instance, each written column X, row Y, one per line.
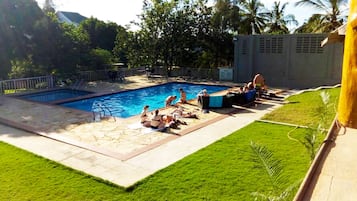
column 272, row 166
column 274, row 169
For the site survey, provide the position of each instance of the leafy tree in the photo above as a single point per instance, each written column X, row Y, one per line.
column 49, row 7
column 102, row 35
column 16, row 30
column 278, row 21
column 310, row 26
column 331, row 17
column 221, row 16
column 57, row 46
column 100, row 58
column 122, row 45
column 168, row 32
column 22, row 68
column 220, row 37
column 254, row 17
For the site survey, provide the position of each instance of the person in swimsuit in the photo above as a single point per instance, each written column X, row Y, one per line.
column 169, row 100
column 259, row 84
column 183, row 96
column 157, row 121
column 144, row 114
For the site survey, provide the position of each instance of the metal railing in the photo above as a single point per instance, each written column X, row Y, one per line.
column 194, row 73
column 24, row 84
column 100, row 111
column 105, row 74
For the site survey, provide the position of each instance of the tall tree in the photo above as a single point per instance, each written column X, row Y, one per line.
column 278, row 21
column 182, row 33
column 311, row 26
column 49, row 7
column 168, row 32
column 254, row 16
column 227, row 15
column 17, row 20
column 332, row 16
column 102, row 35
column 221, row 34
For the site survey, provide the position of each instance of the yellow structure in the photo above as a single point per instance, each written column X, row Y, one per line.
column 347, row 108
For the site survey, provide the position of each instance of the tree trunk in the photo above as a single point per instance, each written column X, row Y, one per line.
column 347, row 109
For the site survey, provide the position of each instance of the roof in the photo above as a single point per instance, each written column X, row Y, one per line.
column 337, row 35
column 70, row 17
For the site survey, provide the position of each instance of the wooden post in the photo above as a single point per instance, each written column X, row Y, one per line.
column 347, row 108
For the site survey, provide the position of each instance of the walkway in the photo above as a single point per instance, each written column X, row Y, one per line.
column 336, row 174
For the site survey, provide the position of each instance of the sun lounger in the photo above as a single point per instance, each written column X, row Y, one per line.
column 227, row 100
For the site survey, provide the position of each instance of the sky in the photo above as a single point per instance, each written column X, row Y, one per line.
column 123, row 12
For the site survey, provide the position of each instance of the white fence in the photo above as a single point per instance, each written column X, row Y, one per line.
column 16, row 85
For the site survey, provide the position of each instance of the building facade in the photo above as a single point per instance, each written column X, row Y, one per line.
column 292, row 60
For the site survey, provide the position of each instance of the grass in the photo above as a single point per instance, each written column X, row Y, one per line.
column 224, row 170
column 305, row 109
column 12, row 91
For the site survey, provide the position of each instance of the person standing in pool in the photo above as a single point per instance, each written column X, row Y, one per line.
column 183, row 96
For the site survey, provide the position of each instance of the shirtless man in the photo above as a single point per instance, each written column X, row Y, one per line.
column 259, row 84
column 259, row 81
column 169, row 100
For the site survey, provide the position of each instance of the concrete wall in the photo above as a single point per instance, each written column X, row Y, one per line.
column 293, row 61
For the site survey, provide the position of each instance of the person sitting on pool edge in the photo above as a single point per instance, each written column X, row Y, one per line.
column 183, row 96
column 157, row 121
column 144, row 114
column 168, row 101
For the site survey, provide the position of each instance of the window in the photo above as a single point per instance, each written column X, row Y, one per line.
column 309, row 44
column 272, row 45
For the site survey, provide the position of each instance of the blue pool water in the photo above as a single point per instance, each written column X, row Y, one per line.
column 55, row 95
column 130, row 103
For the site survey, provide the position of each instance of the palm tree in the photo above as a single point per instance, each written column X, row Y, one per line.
column 332, row 15
column 254, row 16
column 278, row 21
column 312, row 25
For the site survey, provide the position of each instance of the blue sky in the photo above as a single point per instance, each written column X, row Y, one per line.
column 122, row 12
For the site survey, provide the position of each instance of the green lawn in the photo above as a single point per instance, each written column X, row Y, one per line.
column 305, row 109
column 224, row 170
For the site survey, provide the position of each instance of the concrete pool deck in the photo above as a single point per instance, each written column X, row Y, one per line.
column 127, row 172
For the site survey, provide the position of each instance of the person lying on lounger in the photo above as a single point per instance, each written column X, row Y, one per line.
column 173, row 122
column 180, row 113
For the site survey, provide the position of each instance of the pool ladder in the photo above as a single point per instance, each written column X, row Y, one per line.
column 103, row 109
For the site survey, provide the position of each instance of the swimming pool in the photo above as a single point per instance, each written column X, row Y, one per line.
column 55, row 95
column 130, row 103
